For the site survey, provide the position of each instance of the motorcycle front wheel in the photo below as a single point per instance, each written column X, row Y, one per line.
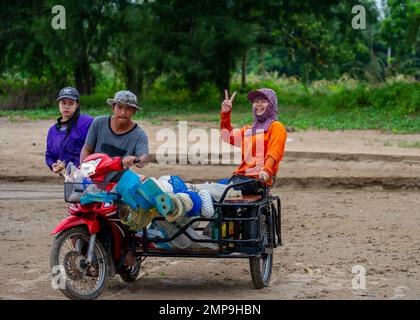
column 72, row 274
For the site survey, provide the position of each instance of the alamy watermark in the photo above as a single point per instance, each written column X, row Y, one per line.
column 209, row 146
column 359, row 20
column 58, row 22
column 58, row 280
column 359, row 280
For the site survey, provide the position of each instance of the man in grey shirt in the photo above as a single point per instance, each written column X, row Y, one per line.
column 102, row 137
column 118, row 135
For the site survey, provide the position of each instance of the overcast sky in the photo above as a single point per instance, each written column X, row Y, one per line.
column 380, row 7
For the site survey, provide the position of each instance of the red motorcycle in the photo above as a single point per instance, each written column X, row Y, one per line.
column 90, row 243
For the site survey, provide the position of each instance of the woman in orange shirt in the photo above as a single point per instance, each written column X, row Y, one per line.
column 262, row 143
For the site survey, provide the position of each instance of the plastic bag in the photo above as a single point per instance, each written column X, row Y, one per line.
column 216, row 190
column 207, row 208
column 73, row 174
column 164, row 184
column 69, row 172
column 75, row 183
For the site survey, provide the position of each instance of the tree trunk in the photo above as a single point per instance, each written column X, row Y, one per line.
column 244, row 63
column 78, row 79
column 134, row 80
column 388, row 56
column 83, row 77
column 262, row 65
column 222, row 80
column 306, row 72
column 140, row 80
column 130, row 78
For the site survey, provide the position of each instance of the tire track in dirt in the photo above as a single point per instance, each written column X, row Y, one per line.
column 376, row 183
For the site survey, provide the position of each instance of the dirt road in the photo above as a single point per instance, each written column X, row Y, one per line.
column 333, row 155
column 326, row 234
column 349, row 199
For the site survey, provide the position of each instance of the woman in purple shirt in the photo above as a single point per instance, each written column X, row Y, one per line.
column 66, row 138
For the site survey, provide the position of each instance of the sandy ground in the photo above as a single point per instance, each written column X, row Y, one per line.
column 349, row 198
column 345, row 156
column 326, row 233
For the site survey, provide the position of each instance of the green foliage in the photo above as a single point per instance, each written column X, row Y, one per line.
column 400, row 32
column 398, row 98
column 179, row 55
column 334, row 105
column 347, row 104
column 19, row 93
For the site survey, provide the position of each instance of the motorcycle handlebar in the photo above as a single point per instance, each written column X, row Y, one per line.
column 137, row 160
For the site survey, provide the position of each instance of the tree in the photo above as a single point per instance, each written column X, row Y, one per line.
column 18, row 44
column 84, row 42
column 204, row 39
column 314, row 39
column 133, row 50
column 400, row 31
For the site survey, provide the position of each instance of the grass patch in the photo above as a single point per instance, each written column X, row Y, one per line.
column 299, row 117
column 388, row 143
column 408, row 144
column 402, row 144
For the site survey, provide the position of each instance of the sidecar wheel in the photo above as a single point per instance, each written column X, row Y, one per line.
column 261, row 267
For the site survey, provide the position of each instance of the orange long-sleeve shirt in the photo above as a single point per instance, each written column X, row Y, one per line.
column 259, row 151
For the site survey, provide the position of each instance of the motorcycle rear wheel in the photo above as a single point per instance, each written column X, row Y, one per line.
column 130, row 274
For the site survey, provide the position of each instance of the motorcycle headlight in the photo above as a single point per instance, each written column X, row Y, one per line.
column 89, row 168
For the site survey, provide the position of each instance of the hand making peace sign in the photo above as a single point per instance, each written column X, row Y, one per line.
column 227, row 103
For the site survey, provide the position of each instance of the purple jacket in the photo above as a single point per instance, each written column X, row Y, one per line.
column 67, row 150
